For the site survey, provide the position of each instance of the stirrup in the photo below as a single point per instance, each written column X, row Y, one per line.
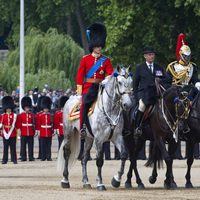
column 138, row 132
column 186, row 131
column 83, row 133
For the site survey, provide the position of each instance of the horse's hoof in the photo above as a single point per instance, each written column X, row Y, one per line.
column 188, row 185
column 128, row 185
column 152, row 179
column 65, row 184
column 170, row 186
column 115, row 183
column 101, row 188
column 87, row 186
column 174, row 185
column 141, row 186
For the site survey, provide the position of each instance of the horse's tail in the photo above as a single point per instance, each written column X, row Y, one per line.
column 155, row 155
column 74, row 152
column 74, row 147
column 61, row 160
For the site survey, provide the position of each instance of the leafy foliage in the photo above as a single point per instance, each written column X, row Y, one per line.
column 49, row 58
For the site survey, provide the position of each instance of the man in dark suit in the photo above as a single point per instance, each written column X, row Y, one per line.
column 144, row 85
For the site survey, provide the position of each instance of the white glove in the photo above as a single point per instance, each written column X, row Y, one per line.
column 197, row 85
column 105, row 81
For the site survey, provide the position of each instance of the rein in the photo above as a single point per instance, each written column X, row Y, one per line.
column 112, row 122
column 174, row 125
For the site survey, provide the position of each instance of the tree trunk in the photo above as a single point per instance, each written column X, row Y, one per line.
column 81, row 23
column 69, row 25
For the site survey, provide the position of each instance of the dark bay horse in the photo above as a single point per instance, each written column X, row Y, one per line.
column 162, row 125
column 193, row 137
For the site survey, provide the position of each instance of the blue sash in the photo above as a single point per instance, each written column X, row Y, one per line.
column 96, row 66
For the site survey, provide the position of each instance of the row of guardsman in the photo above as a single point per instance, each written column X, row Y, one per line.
column 27, row 125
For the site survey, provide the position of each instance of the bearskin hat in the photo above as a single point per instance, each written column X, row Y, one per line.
column 26, row 102
column 96, row 35
column 8, row 102
column 39, row 103
column 62, row 101
column 46, row 103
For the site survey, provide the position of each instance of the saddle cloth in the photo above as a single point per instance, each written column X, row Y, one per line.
column 75, row 112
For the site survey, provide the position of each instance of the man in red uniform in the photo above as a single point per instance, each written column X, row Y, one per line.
column 26, row 128
column 44, row 125
column 58, row 120
column 8, row 124
column 92, row 70
column 39, row 111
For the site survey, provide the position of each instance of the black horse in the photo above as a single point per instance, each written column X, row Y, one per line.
column 193, row 137
column 161, row 127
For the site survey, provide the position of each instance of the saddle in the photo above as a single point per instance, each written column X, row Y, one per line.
column 75, row 111
column 147, row 112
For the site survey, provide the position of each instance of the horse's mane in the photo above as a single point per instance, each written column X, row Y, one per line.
column 166, row 93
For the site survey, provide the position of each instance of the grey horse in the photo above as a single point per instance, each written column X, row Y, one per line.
column 106, row 123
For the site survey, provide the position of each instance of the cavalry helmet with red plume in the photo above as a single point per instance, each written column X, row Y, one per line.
column 183, row 51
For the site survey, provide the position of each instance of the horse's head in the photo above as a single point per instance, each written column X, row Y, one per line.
column 183, row 102
column 124, row 86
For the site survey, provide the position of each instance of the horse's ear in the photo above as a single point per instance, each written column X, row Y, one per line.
column 129, row 71
column 118, row 68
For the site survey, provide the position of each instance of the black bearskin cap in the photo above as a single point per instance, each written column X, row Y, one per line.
column 46, row 103
column 8, row 102
column 62, row 101
column 39, row 103
column 26, row 102
column 96, row 35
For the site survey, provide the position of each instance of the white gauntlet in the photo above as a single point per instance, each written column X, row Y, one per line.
column 197, row 85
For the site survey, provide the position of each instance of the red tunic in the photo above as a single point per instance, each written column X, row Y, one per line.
column 7, row 121
column 44, row 124
column 26, row 124
column 37, row 128
column 85, row 64
column 58, row 122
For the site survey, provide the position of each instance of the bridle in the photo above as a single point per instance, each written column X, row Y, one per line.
column 113, row 122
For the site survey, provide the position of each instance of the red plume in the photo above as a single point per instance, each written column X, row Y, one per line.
column 180, row 41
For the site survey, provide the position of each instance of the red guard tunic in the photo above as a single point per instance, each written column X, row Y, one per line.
column 7, row 121
column 44, row 124
column 37, row 116
column 58, row 122
column 26, row 124
column 85, row 64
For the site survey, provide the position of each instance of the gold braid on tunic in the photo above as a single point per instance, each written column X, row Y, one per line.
column 178, row 77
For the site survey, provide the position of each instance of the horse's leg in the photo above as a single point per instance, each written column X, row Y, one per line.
column 99, row 164
column 86, row 155
column 66, row 154
column 153, row 177
column 133, row 152
column 119, row 143
column 190, row 159
column 140, row 143
column 169, row 182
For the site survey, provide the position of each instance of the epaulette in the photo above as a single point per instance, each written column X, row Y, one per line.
column 170, row 64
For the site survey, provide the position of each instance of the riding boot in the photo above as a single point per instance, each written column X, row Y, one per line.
column 138, row 121
column 84, row 119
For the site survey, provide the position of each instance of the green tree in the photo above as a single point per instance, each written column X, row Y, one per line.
column 133, row 24
column 49, row 58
